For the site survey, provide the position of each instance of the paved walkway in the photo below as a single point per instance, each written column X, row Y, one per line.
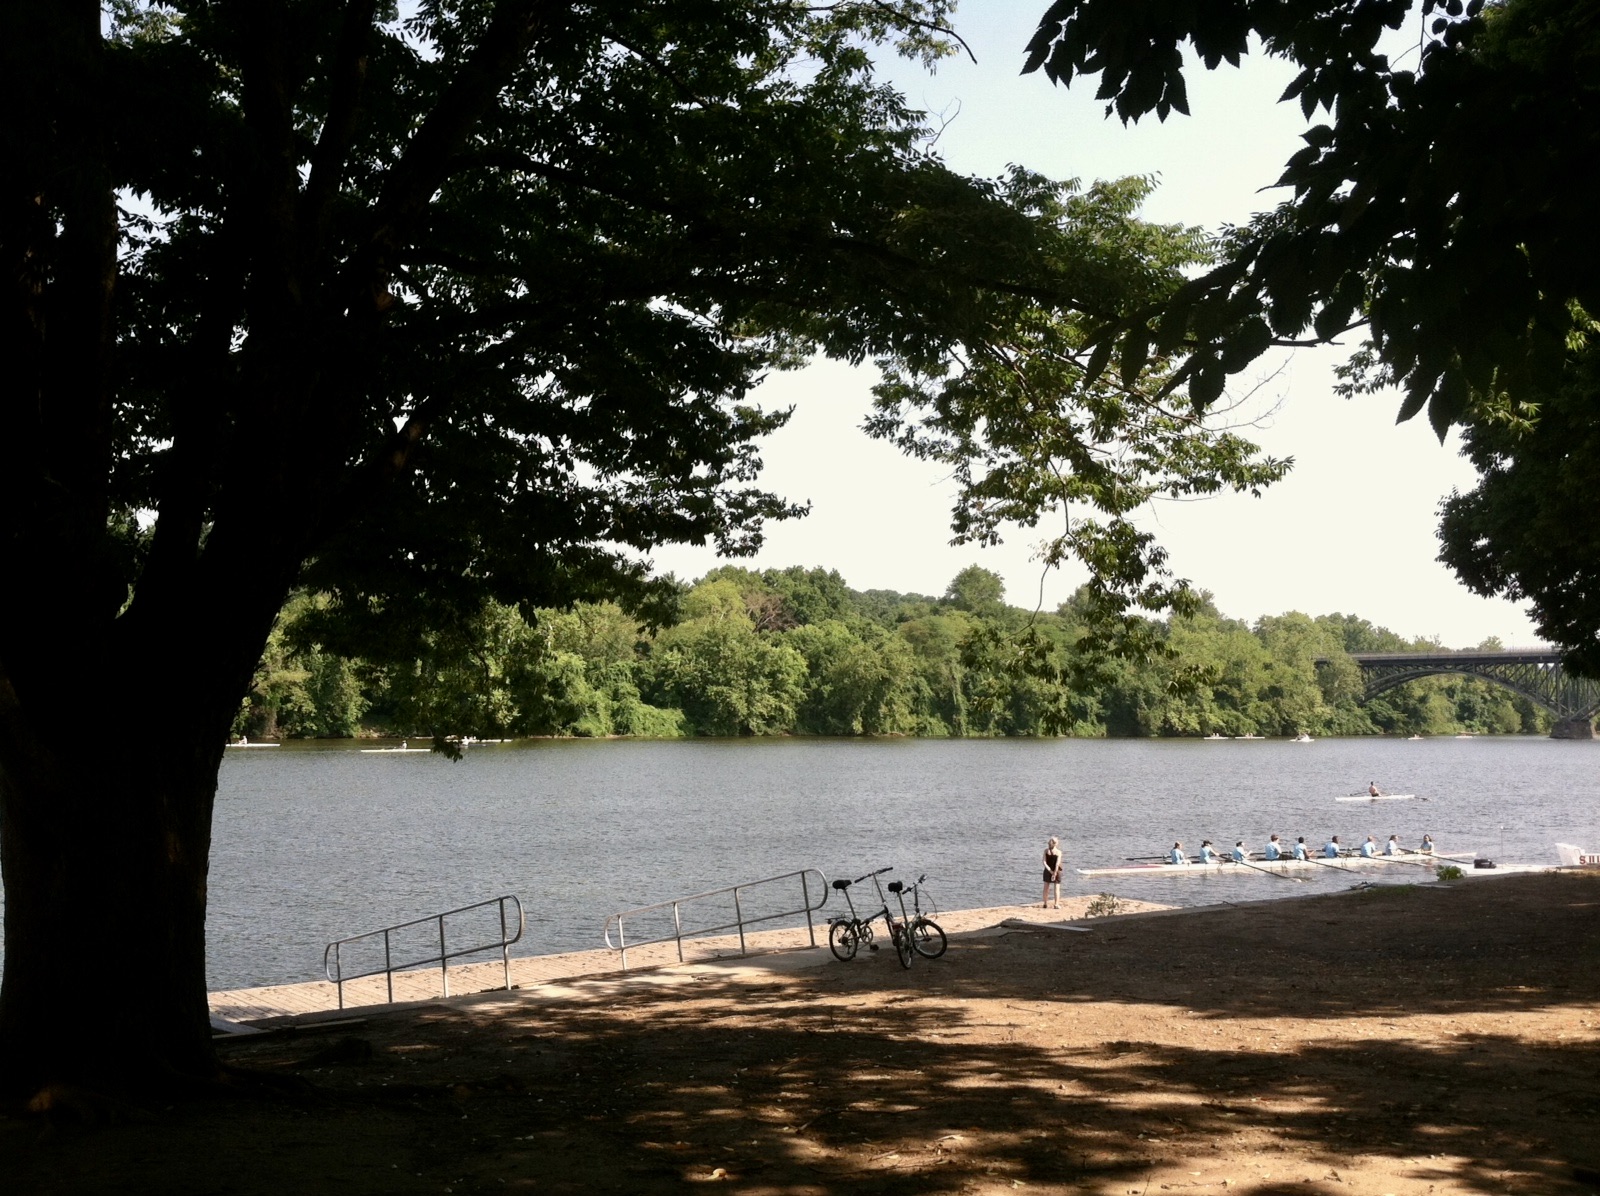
column 529, row 971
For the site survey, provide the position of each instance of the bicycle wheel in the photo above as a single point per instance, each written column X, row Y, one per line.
column 902, row 943
column 927, row 936
column 843, row 941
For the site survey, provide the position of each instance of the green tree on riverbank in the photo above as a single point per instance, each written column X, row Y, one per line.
column 797, row 652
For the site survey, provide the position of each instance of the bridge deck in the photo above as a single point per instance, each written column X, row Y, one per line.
column 1446, row 659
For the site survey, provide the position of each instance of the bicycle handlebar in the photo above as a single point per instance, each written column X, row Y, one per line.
column 870, row 875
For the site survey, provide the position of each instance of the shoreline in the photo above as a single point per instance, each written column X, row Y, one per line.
column 275, row 1003
column 280, row 1004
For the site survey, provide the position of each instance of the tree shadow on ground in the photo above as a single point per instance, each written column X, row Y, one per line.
column 990, row 1068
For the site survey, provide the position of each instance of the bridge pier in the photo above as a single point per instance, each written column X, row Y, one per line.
column 1579, row 727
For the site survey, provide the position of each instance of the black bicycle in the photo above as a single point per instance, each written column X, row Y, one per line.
column 847, row 935
column 927, row 936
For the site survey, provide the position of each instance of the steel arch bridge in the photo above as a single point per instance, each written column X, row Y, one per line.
column 1535, row 674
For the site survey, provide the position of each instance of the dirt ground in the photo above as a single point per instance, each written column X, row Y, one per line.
column 1407, row 1040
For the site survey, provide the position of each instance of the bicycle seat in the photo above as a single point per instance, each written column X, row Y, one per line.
column 842, row 885
column 895, row 886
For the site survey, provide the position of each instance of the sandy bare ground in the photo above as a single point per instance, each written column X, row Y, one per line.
column 526, row 971
column 1407, row 1040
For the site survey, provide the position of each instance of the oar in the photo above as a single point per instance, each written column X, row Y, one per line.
column 1385, row 859
column 1268, row 871
column 1326, row 863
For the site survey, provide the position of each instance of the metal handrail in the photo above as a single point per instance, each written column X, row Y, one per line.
column 739, row 922
column 332, row 966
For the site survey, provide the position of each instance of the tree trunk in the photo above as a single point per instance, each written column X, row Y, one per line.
column 104, row 850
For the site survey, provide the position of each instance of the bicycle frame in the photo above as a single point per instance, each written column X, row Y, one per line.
column 886, row 912
column 863, row 926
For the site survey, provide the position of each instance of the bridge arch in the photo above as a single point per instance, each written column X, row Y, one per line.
column 1535, row 674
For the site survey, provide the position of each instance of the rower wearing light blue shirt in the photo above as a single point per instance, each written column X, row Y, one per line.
column 1392, row 847
column 1369, row 848
column 1208, row 854
column 1176, row 856
column 1300, row 850
column 1331, row 849
column 1238, row 853
column 1274, row 850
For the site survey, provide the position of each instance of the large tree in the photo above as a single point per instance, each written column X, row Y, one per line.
column 1442, row 207
column 434, row 311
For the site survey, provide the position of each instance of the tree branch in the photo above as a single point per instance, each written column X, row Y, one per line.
column 425, row 164
column 349, row 74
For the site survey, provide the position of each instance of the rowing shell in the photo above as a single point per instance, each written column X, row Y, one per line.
column 1380, row 797
column 1228, row 867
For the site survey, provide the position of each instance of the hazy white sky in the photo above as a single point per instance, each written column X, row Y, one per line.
column 1351, row 529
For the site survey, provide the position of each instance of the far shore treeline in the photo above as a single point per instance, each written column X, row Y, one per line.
column 797, row 652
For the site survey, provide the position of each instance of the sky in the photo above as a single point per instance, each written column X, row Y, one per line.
column 1351, row 529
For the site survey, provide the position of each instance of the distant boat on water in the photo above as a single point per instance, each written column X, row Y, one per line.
column 404, row 747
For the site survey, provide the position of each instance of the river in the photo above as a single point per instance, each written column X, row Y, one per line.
column 315, row 841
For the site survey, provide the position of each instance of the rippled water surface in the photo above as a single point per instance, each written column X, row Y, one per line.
column 317, row 841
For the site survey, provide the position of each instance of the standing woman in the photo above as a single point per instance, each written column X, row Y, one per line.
column 1052, row 871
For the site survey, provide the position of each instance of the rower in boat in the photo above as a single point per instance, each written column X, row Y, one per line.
column 1301, row 851
column 1427, row 845
column 1176, row 856
column 1393, row 846
column 1208, row 854
column 1373, row 790
column 1331, row 849
column 1369, row 848
column 1238, row 855
column 1273, row 850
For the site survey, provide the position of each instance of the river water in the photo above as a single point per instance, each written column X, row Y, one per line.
column 315, row 841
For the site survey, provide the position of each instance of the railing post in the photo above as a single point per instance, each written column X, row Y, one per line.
column 738, row 915
column 388, row 968
column 444, row 959
column 622, row 942
column 505, row 951
column 338, row 966
column 677, row 929
column 805, row 892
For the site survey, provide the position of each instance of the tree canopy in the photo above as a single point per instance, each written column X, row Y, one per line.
column 1441, row 207
column 445, row 311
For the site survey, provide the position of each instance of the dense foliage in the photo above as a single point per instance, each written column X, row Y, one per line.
column 796, row 651
column 446, row 309
column 1441, row 208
